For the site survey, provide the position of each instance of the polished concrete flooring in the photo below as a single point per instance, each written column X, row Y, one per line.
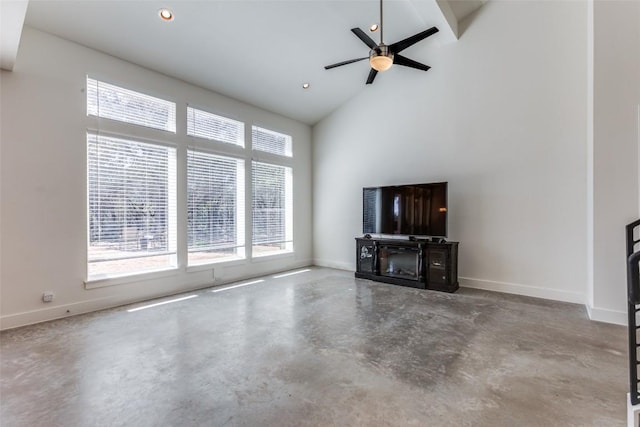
column 319, row 348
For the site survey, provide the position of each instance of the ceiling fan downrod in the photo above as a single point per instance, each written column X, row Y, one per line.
column 381, row 24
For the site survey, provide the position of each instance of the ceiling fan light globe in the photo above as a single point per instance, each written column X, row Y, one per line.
column 381, row 62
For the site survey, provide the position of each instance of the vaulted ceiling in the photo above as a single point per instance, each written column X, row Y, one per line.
column 259, row 52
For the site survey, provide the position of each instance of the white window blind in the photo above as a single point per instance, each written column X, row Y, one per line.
column 271, row 142
column 116, row 103
column 215, row 208
column 272, row 209
column 131, row 206
column 210, row 126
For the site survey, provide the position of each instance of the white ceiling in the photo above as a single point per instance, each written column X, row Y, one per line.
column 259, row 52
column 12, row 14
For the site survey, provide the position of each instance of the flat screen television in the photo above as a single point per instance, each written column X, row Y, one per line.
column 413, row 210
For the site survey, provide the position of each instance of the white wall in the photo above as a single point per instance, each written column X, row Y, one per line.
column 43, row 181
column 501, row 116
column 616, row 101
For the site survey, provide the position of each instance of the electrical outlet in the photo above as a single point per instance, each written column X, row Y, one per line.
column 47, row 296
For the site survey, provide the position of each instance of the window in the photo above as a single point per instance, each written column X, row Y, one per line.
column 116, row 103
column 215, row 208
column 131, row 206
column 133, row 180
column 218, row 128
column 272, row 209
column 271, row 142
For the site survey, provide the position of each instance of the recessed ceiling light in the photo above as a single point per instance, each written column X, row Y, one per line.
column 305, row 85
column 373, row 28
column 165, row 14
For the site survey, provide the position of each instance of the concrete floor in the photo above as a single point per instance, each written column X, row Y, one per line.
column 319, row 348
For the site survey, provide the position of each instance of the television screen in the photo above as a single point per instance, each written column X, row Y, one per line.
column 415, row 210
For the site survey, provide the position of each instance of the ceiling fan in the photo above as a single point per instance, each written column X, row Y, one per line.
column 382, row 56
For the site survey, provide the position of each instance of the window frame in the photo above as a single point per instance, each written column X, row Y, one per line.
column 172, row 130
column 289, row 152
column 241, row 188
column 182, row 142
column 239, row 144
column 289, row 216
column 172, row 205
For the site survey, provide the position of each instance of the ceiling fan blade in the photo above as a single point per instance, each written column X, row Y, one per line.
column 372, row 75
column 328, row 67
column 364, row 37
column 410, row 41
column 403, row 60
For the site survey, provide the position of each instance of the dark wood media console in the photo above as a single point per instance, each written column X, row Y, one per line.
column 416, row 263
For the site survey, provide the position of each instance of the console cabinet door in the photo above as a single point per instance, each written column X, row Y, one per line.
column 438, row 266
column 366, row 257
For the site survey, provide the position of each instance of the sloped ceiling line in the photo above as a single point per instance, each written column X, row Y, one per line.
column 12, row 15
column 277, row 42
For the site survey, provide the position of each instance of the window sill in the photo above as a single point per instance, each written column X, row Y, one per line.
column 272, row 256
column 213, row 264
column 129, row 278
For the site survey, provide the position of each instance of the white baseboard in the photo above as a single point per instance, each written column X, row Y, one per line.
column 526, row 290
column 25, row 318
column 607, row 316
column 67, row 310
column 334, row 264
column 596, row 314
